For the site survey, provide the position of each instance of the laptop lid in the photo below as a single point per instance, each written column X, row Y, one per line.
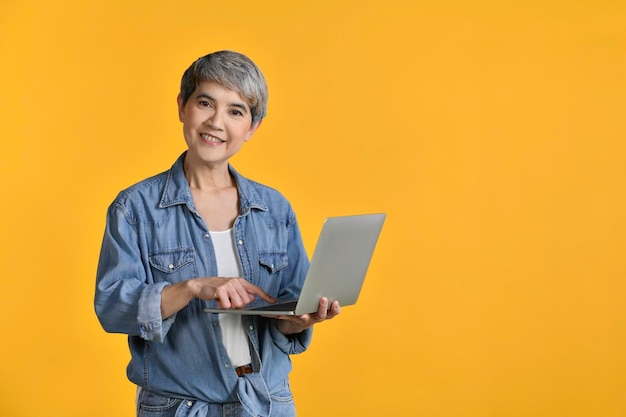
column 338, row 266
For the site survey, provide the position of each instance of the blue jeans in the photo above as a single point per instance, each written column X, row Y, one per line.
column 153, row 405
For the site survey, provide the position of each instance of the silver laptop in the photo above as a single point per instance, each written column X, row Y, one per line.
column 340, row 261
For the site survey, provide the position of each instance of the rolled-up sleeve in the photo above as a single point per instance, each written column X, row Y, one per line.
column 291, row 344
column 124, row 301
column 151, row 324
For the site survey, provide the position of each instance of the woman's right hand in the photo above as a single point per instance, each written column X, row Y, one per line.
column 229, row 293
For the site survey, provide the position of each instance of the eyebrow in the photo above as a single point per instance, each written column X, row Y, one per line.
column 234, row 104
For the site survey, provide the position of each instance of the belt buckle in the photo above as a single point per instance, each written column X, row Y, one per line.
column 243, row 370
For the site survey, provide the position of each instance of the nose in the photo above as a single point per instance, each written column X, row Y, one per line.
column 215, row 120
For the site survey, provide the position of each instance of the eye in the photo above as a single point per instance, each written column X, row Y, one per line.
column 236, row 112
column 204, row 103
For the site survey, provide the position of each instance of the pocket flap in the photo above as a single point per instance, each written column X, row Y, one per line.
column 273, row 261
column 171, row 260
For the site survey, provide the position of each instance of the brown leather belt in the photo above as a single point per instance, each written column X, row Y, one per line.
column 245, row 369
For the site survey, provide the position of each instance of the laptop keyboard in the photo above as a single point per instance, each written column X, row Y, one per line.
column 288, row 306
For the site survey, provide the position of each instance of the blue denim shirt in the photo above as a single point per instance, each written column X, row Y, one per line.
column 155, row 237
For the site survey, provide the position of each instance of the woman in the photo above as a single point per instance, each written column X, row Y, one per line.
column 200, row 235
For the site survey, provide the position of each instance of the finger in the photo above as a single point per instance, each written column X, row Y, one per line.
column 253, row 289
column 335, row 309
column 322, row 309
column 223, row 300
column 302, row 319
column 234, row 295
column 321, row 316
column 237, row 301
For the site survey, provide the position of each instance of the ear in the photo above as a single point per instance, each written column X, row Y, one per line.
column 181, row 107
column 253, row 128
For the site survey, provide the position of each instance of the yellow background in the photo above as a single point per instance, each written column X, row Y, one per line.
column 490, row 132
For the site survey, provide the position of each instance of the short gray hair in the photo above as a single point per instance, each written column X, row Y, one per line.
column 231, row 70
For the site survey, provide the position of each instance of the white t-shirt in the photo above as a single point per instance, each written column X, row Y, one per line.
column 234, row 336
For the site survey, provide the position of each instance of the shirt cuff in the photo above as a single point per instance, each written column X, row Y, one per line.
column 293, row 343
column 151, row 324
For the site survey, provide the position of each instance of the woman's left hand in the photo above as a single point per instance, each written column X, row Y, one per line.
column 295, row 324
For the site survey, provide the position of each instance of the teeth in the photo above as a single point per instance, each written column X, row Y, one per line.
column 210, row 138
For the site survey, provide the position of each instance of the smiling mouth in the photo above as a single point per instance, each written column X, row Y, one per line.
column 211, row 139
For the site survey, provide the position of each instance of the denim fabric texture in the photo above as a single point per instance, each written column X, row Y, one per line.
column 154, row 237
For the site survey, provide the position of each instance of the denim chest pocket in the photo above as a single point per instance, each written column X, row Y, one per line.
column 173, row 265
column 273, row 261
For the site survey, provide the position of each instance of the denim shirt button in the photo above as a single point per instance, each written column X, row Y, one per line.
column 251, row 327
column 189, row 403
column 206, row 236
column 240, row 242
column 171, row 266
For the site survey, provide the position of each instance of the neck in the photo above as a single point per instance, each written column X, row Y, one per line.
column 205, row 177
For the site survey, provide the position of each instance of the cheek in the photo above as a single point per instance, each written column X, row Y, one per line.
column 187, row 134
column 190, row 123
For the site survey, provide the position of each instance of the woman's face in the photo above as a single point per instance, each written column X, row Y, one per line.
column 216, row 123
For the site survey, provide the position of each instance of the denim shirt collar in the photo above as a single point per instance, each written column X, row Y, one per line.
column 177, row 191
